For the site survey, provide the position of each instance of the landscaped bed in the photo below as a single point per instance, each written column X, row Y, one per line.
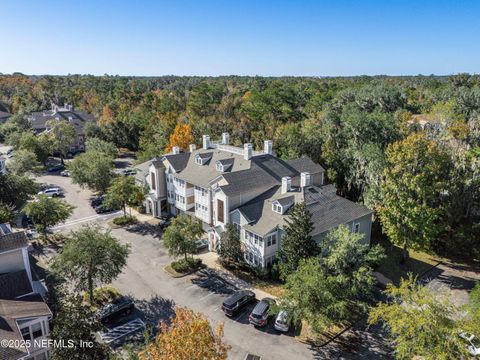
column 124, row 220
column 184, row 267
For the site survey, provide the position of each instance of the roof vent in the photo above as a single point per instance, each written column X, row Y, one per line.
column 267, row 147
column 206, row 141
column 193, row 147
column 247, row 151
column 225, row 138
column 286, row 184
column 304, row 179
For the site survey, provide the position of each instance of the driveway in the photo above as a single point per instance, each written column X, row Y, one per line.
column 145, row 280
column 76, row 196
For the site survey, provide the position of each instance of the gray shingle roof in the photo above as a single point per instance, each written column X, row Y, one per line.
column 178, row 161
column 12, row 310
column 286, row 201
column 328, row 209
column 39, row 119
column 142, row 171
column 305, row 164
column 14, row 284
column 15, row 240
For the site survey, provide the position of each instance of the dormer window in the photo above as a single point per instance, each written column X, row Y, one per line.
column 220, row 167
column 277, row 207
column 223, row 165
column 203, row 158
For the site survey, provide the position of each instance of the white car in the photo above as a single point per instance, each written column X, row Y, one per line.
column 51, row 192
column 473, row 344
column 281, row 322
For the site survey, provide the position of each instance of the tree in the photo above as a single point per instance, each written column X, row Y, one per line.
column 15, row 189
column 91, row 257
column 180, row 236
column 188, row 336
column 63, row 136
column 330, row 288
column 182, row 137
column 416, row 175
column 6, row 214
column 93, row 169
column 297, row 243
column 76, row 322
column 230, row 245
column 40, row 145
column 124, row 192
column 421, row 324
column 23, row 161
column 47, row 211
column 97, row 145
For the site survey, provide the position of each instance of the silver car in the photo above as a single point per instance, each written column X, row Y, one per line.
column 281, row 322
column 51, row 192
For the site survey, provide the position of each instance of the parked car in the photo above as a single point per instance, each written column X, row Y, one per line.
column 237, row 301
column 201, row 244
column 97, row 201
column 65, row 173
column 259, row 315
column 120, row 306
column 51, row 192
column 473, row 344
column 129, row 172
column 102, row 208
column 282, row 322
column 55, row 168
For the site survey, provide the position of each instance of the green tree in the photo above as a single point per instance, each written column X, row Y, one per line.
column 15, row 189
column 76, row 322
column 23, row 162
column 47, row 211
column 416, row 175
column 6, row 214
column 180, row 236
column 63, row 135
column 330, row 288
column 421, row 324
column 101, row 146
column 230, row 245
column 93, row 169
column 91, row 257
column 124, row 192
column 297, row 242
column 40, row 145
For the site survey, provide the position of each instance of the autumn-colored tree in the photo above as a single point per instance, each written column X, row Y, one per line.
column 182, row 137
column 188, row 337
column 108, row 116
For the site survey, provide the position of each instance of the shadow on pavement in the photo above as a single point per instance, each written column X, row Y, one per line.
column 145, row 229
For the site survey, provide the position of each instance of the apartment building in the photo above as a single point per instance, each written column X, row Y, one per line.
column 253, row 189
column 24, row 315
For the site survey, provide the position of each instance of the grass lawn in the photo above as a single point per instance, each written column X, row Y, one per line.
column 417, row 263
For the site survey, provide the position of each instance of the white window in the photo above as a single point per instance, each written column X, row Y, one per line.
column 271, row 239
column 237, row 227
column 356, row 227
column 219, row 167
column 26, row 333
column 277, row 208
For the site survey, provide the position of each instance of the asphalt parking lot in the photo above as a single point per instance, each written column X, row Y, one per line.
column 156, row 294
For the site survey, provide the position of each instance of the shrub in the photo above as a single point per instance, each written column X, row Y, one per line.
column 124, row 220
column 102, row 295
column 182, row 266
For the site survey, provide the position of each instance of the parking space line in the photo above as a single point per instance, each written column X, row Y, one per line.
column 206, row 296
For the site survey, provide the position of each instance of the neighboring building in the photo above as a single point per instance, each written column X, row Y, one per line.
column 38, row 122
column 3, row 164
column 4, row 116
column 253, row 190
column 24, row 315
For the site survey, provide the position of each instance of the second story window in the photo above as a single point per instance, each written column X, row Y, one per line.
column 152, row 180
column 277, row 207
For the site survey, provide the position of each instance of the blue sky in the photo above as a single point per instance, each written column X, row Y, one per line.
column 272, row 38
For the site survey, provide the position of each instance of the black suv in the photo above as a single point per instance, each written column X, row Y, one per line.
column 237, row 301
column 119, row 306
column 260, row 315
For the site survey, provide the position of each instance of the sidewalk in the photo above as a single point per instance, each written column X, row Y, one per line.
column 210, row 260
